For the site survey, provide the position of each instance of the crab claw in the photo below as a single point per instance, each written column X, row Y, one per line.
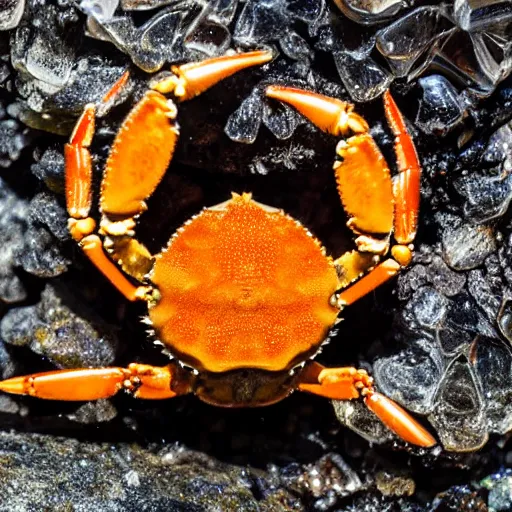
column 189, row 80
column 398, row 420
column 329, row 114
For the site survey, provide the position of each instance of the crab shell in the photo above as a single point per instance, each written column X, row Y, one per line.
column 243, row 286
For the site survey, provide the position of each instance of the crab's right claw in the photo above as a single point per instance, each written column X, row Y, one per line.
column 398, row 420
column 328, row 114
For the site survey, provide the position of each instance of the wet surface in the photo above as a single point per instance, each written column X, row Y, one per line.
column 437, row 339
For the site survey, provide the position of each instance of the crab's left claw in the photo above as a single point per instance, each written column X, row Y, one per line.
column 191, row 79
column 349, row 383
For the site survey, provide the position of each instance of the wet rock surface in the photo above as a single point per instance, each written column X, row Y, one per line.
column 438, row 338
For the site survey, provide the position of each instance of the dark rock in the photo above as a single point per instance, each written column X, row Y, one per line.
column 51, row 328
column 123, row 477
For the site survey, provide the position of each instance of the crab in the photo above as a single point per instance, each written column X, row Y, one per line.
column 243, row 295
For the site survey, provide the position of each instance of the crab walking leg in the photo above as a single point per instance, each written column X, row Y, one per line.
column 143, row 381
column 406, row 185
column 78, row 175
column 350, row 383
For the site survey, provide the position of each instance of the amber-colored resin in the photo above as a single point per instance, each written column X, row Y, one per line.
column 243, row 286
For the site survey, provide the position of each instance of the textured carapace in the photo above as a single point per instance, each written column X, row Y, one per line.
column 243, row 285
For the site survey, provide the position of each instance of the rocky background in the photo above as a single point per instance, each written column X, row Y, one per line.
column 437, row 339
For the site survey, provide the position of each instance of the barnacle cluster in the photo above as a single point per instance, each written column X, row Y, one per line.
column 440, row 345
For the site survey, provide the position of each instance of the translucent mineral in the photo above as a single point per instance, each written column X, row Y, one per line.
column 363, row 77
column 243, row 124
column 466, row 247
column 259, row 19
column 493, row 363
column 369, row 12
column 411, row 376
column 281, row 119
column 487, row 296
column 102, row 10
column 488, row 191
column 458, row 415
column 440, row 107
column 10, row 13
column 499, row 486
column 41, row 53
column 160, row 39
column 356, row 416
column 478, row 15
column 471, row 63
column 408, row 42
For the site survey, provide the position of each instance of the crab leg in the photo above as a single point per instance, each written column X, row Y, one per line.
column 406, row 186
column 350, row 383
column 78, row 173
column 143, row 381
column 376, row 204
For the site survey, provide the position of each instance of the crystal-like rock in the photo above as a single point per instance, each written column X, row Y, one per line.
column 500, row 491
column 281, row 119
column 356, row 416
column 485, row 295
column 411, row 376
column 459, row 409
column 258, row 19
column 102, row 10
column 458, row 329
column 243, row 124
column 143, row 5
column 363, row 77
column 52, row 328
column 10, row 13
column 13, row 221
column 479, row 59
column 418, row 32
column 41, row 256
column 505, row 318
column 466, row 247
column 375, row 11
column 161, row 39
column 426, row 310
column 493, row 362
column 488, row 192
column 440, row 108
column 209, row 38
column 477, row 15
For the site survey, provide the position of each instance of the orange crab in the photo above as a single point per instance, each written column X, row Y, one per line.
column 243, row 295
